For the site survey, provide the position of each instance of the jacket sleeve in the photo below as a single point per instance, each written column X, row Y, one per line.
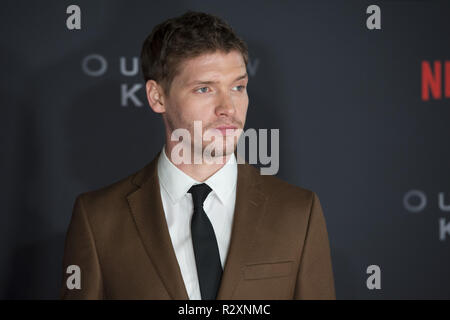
column 80, row 250
column 315, row 279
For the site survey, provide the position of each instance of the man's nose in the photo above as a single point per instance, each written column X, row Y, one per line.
column 225, row 105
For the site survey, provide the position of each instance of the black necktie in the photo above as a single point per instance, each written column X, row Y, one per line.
column 206, row 251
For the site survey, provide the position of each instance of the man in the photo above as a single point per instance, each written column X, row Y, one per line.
column 189, row 229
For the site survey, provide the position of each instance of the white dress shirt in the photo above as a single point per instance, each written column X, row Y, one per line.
column 178, row 209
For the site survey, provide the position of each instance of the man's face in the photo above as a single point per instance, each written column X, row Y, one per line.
column 211, row 88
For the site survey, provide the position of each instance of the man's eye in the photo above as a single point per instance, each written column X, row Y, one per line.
column 202, row 90
column 240, row 88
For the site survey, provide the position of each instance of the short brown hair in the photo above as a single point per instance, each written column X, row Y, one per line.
column 186, row 36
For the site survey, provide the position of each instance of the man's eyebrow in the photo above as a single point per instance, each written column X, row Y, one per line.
column 245, row 75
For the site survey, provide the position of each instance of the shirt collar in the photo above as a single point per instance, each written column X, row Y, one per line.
column 177, row 183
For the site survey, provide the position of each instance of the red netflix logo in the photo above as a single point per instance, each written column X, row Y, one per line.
column 432, row 80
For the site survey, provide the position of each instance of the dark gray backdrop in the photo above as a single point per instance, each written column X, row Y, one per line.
column 347, row 101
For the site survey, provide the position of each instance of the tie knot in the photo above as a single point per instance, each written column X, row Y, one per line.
column 199, row 194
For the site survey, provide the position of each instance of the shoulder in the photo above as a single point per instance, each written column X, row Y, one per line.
column 289, row 209
column 277, row 189
column 276, row 185
column 107, row 201
column 113, row 197
column 281, row 196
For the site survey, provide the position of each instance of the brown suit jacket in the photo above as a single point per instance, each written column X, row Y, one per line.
column 119, row 238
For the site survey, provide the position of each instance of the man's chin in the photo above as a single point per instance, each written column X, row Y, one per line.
column 218, row 153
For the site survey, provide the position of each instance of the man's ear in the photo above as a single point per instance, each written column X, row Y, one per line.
column 155, row 96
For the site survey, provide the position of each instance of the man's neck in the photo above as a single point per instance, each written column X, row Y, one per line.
column 201, row 171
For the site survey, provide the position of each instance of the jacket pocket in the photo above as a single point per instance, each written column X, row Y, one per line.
column 268, row 270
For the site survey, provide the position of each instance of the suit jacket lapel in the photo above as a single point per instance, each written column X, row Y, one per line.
column 249, row 210
column 148, row 213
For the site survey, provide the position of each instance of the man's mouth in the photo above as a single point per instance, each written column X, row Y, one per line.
column 224, row 129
